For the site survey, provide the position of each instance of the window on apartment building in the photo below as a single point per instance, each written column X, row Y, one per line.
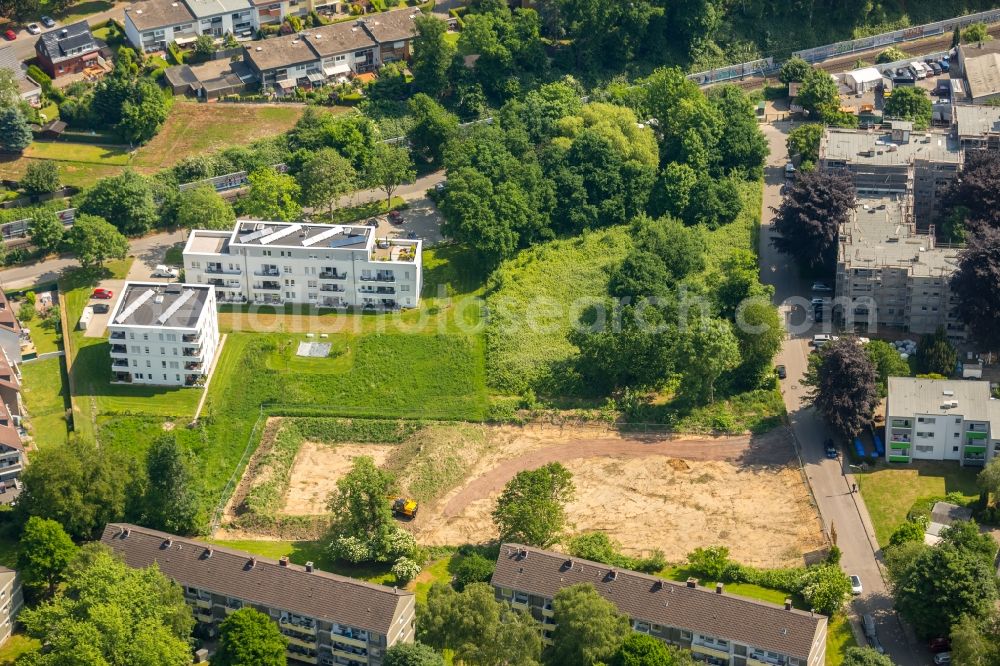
column 505, row 592
column 521, row 597
column 145, row 337
column 360, row 54
column 135, row 363
column 149, row 364
column 641, row 626
column 164, row 377
column 955, row 449
column 313, row 296
column 174, row 365
column 404, row 287
column 312, row 284
column 287, row 269
column 927, row 449
column 161, row 337
column 138, row 375
column 177, row 378
column 926, row 419
column 146, row 350
column 685, row 635
column 289, row 295
column 340, row 58
column 163, row 351
column 955, row 434
column 135, row 349
column 164, row 366
column 131, row 336
column 958, row 420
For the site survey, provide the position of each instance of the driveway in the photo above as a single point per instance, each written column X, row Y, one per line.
column 844, row 513
column 98, row 324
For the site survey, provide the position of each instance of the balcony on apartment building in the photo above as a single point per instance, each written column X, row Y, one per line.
column 762, row 658
column 394, row 250
column 194, row 366
column 119, row 363
column 345, row 651
column 193, row 354
column 117, row 335
column 220, row 269
column 302, row 654
column 350, row 637
column 331, row 274
column 121, row 377
column 11, row 465
column 119, row 349
column 194, row 380
column 377, row 290
column 268, row 285
column 219, row 282
column 294, row 623
column 328, row 302
column 267, row 271
column 378, row 276
column 332, row 287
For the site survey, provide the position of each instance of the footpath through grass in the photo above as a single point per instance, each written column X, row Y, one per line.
column 890, row 492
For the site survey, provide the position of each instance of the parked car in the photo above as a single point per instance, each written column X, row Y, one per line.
column 48, row 21
column 936, row 645
column 395, row 217
column 944, row 64
column 936, row 68
column 782, row 373
column 821, row 339
column 830, row 448
column 102, row 293
column 856, row 585
column 10, row 35
column 439, row 187
column 412, row 235
column 821, row 286
column 789, row 170
column 868, row 624
column 34, row 29
column 372, row 222
column 942, row 658
column 820, row 302
column 162, row 271
column 100, row 308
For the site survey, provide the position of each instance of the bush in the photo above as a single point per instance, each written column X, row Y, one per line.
column 351, row 549
column 712, row 562
column 473, row 568
column 405, row 570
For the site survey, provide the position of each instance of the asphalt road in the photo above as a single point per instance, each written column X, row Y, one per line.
column 844, row 513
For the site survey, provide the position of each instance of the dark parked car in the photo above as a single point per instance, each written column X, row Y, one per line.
column 782, row 373
column 831, row 449
column 372, row 222
column 395, row 217
column 48, row 21
column 100, row 308
column 936, row 68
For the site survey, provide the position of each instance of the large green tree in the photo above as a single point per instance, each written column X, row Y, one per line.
column 172, row 502
column 742, row 146
column 412, row 654
column 325, row 178
column 45, row 550
column 910, row 103
column 589, row 628
column 818, row 91
column 795, row 69
column 865, row 656
column 480, row 630
column 989, row 478
column 644, row 650
column 433, row 127
column 250, row 637
column 976, row 641
column 201, row 207
column 803, row 143
column 707, row 348
column 845, row 386
column 432, row 56
column 888, row 363
column 125, row 200
column 936, row 355
column 272, row 196
column 40, row 177
column 46, row 230
column 15, row 135
column 390, row 167
column 93, row 241
column 532, row 507
column 108, row 613
column 143, row 112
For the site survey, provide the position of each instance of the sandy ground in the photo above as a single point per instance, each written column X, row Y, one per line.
column 671, row 494
column 316, row 470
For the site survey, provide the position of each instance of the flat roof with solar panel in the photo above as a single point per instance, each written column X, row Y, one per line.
column 154, row 304
column 300, row 234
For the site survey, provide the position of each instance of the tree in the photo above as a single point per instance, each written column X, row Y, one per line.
column 976, row 642
column 975, row 33
column 589, row 628
column 390, row 167
column 201, row 207
column 80, row 487
column 707, row 348
column 845, row 391
column 891, row 54
column 473, row 568
column 250, row 637
column 795, row 69
column 742, row 145
column 46, row 230
column 412, row 654
column 642, row 274
column 940, row 585
column 818, row 89
column 480, row 630
column 888, row 363
column 866, row 656
column 909, row 532
column 93, row 241
column 759, row 333
column 15, row 135
column 803, row 142
column 975, row 197
column 825, row 588
column 936, row 355
column 644, row 650
column 325, row 178
column 531, row 508
column 172, row 502
column 204, row 46
column 965, row 535
column 433, row 127
column 110, row 613
column 989, row 478
column 45, row 552
column 432, row 56
column 810, row 216
column 125, row 200
column 974, row 284
column 40, row 177
column 143, row 112
column 272, row 196
column 910, row 103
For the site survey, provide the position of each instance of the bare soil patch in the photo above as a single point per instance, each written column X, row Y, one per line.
column 317, row 469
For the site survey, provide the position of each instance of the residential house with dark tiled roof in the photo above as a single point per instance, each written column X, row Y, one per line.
column 328, row 619
column 67, row 50
column 393, row 31
column 719, row 628
column 12, row 336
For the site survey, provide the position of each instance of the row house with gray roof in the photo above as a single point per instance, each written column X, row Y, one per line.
column 329, row 620
column 717, row 627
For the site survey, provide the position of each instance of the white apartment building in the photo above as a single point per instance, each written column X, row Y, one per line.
column 165, row 334
column 941, row 419
column 11, row 601
column 326, row 265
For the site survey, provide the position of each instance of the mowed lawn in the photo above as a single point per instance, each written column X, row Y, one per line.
column 47, row 400
column 80, row 164
column 889, row 493
column 193, row 129
column 300, row 552
column 839, row 637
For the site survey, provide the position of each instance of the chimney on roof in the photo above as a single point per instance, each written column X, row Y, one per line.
column 657, row 585
column 692, row 582
column 788, row 604
column 718, row 588
column 252, row 563
column 168, row 542
column 283, row 561
column 522, row 554
column 208, row 552
column 128, row 532
column 612, row 575
column 309, row 567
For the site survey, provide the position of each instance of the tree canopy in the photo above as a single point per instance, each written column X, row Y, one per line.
column 125, row 200
column 202, row 208
column 531, row 508
column 845, row 388
column 936, row 355
column 910, row 103
column 93, row 240
column 809, row 218
column 44, row 554
column 974, row 284
column 589, row 628
column 248, row 636
column 272, row 196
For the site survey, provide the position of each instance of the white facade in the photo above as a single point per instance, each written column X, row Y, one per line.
column 941, row 419
column 316, row 264
column 163, row 334
column 11, row 601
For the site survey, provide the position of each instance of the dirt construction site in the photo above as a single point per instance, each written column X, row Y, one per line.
column 671, row 494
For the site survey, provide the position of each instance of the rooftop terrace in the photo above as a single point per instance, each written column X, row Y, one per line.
column 295, row 234
column 156, row 304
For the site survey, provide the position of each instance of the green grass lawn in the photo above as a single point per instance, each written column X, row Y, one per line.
column 79, row 10
column 681, row 574
column 437, row 571
column 362, row 211
column 15, row 646
column 175, row 255
column 44, row 392
column 64, row 151
column 890, row 492
column 300, row 552
column 839, row 637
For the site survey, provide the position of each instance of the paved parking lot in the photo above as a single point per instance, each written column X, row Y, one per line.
column 421, row 218
column 98, row 324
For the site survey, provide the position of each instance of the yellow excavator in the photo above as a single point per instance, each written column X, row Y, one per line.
column 405, row 507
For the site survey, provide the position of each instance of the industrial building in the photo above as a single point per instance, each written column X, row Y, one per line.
column 325, row 265
column 889, row 274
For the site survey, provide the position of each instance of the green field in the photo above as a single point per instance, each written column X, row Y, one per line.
column 839, row 637
column 15, row 646
column 300, row 552
column 46, row 398
column 681, row 574
column 889, row 493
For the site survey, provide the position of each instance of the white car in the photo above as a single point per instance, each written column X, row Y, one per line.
column 856, row 585
column 822, row 287
column 34, row 29
column 162, row 271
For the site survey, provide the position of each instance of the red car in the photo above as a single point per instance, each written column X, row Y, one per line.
column 103, row 293
column 10, row 35
column 395, row 217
